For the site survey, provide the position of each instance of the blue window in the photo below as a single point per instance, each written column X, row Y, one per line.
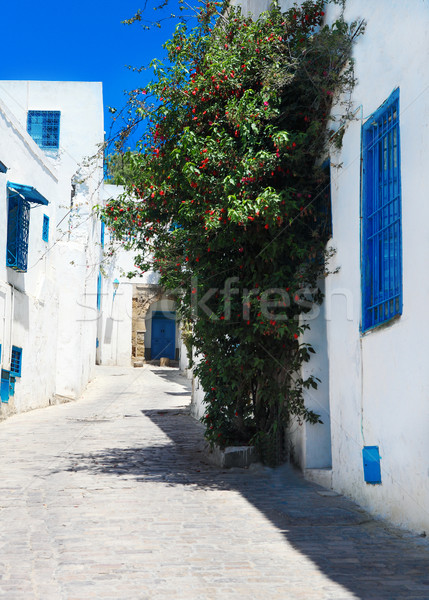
column 381, row 216
column 18, row 223
column 45, row 232
column 16, row 361
column 102, row 234
column 99, row 291
column 44, row 127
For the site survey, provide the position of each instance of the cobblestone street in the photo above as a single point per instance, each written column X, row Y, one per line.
column 110, row 498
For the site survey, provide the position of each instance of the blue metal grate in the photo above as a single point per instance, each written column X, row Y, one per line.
column 45, row 231
column 17, row 233
column 381, row 212
column 16, row 361
column 44, row 127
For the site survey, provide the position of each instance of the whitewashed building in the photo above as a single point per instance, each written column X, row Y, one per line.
column 138, row 320
column 371, row 333
column 50, row 249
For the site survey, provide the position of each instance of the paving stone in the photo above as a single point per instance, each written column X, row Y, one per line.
column 112, row 497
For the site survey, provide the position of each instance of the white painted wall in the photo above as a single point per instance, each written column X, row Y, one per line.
column 50, row 311
column 28, row 302
column 379, row 381
column 114, row 322
column 312, row 443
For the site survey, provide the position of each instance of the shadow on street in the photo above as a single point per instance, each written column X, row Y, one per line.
column 371, row 559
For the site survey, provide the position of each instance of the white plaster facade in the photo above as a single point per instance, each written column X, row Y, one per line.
column 114, row 326
column 378, row 382
column 375, row 385
column 117, row 319
column 50, row 310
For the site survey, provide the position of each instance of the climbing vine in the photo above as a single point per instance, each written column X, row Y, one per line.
column 228, row 199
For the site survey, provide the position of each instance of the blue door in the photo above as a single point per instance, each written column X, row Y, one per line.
column 163, row 335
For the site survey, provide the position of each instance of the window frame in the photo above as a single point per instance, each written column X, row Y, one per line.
column 381, row 216
column 18, row 228
column 16, row 373
column 45, row 229
column 48, row 129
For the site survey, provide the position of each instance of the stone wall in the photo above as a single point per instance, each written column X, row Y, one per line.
column 143, row 296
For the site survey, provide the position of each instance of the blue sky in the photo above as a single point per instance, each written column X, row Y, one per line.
column 83, row 40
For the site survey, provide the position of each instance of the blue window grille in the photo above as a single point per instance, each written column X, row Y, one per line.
column 45, row 231
column 16, row 361
column 20, row 197
column 18, row 224
column 99, row 292
column 44, row 127
column 381, row 216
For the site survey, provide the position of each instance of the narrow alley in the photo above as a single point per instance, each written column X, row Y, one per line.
column 110, row 498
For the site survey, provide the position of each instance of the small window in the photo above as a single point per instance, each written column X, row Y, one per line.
column 15, row 361
column 102, row 234
column 381, row 216
column 45, row 232
column 44, row 127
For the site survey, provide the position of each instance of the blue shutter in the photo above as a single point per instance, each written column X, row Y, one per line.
column 102, row 234
column 45, row 231
column 16, row 361
column 4, row 386
column 17, row 233
column 381, row 216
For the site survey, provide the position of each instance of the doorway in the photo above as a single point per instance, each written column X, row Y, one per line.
column 163, row 339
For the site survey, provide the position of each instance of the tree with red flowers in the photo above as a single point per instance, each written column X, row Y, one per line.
column 227, row 199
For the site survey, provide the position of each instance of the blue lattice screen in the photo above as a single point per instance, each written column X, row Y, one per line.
column 381, row 232
column 44, row 127
column 16, row 361
column 17, row 233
